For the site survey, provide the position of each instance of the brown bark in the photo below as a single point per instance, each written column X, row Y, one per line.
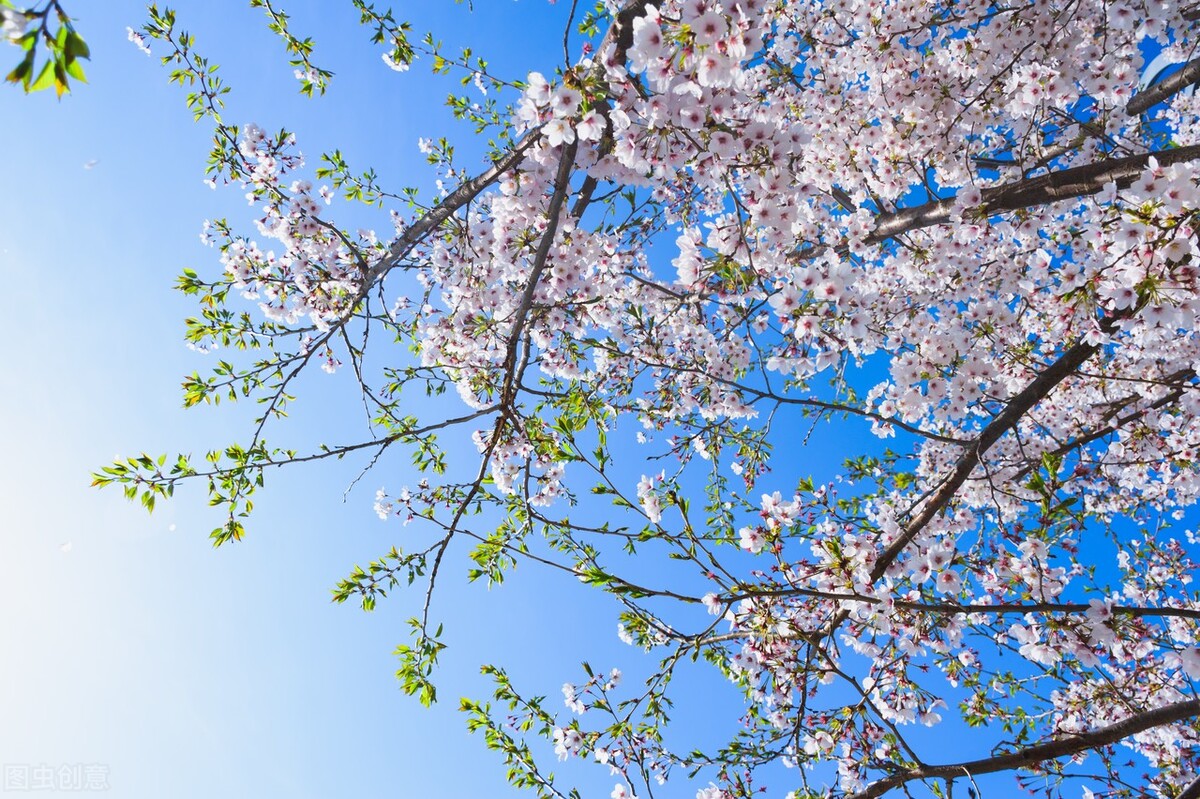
column 1040, row 753
column 1064, row 184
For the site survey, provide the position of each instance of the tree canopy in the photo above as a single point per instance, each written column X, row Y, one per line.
column 965, row 233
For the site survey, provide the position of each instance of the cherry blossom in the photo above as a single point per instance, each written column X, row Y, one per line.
column 961, row 231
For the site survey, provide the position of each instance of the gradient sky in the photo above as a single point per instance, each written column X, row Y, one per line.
column 130, row 644
column 183, row 671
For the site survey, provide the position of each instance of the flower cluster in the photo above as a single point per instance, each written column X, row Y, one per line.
column 735, row 218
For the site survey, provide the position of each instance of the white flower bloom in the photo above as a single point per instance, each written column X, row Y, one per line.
column 559, row 131
column 13, row 23
column 138, row 39
column 393, row 63
column 1190, row 661
column 590, row 126
column 751, row 539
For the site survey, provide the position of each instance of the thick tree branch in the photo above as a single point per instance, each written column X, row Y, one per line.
column 1191, row 792
column 1189, row 75
column 562, row 184
column 1114, row 426
column 622, row 28
column 1016, row 408
column 466, row 191
column 1065, row 184
column 1040, row 753
column 1080, row 181
column 952, row 609
column 621, row 32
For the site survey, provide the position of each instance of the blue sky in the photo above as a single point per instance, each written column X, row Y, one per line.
column 131, row 644
column 181, row 670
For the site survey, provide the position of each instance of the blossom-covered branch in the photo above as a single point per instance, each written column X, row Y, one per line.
column 1038, row 754
column 960, row 232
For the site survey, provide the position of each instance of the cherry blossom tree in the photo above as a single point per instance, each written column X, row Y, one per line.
column 960, row 230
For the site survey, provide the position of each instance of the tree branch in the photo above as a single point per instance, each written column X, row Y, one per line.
column 562, row 185
column 621, row 32
column 1017, row 407
column 1191, row 791
column 951, row 608
column 1065, row 184
column 1040, row 753
column 1115, row 426
column 1171, row 85
column 462, row 194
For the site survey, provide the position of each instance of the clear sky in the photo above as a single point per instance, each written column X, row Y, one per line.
column 131, row 646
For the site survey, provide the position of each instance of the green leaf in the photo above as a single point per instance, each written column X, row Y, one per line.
column 74, row 70
column 20, row 74
column 76, row 47
column 45, row 78
column 61, row 85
